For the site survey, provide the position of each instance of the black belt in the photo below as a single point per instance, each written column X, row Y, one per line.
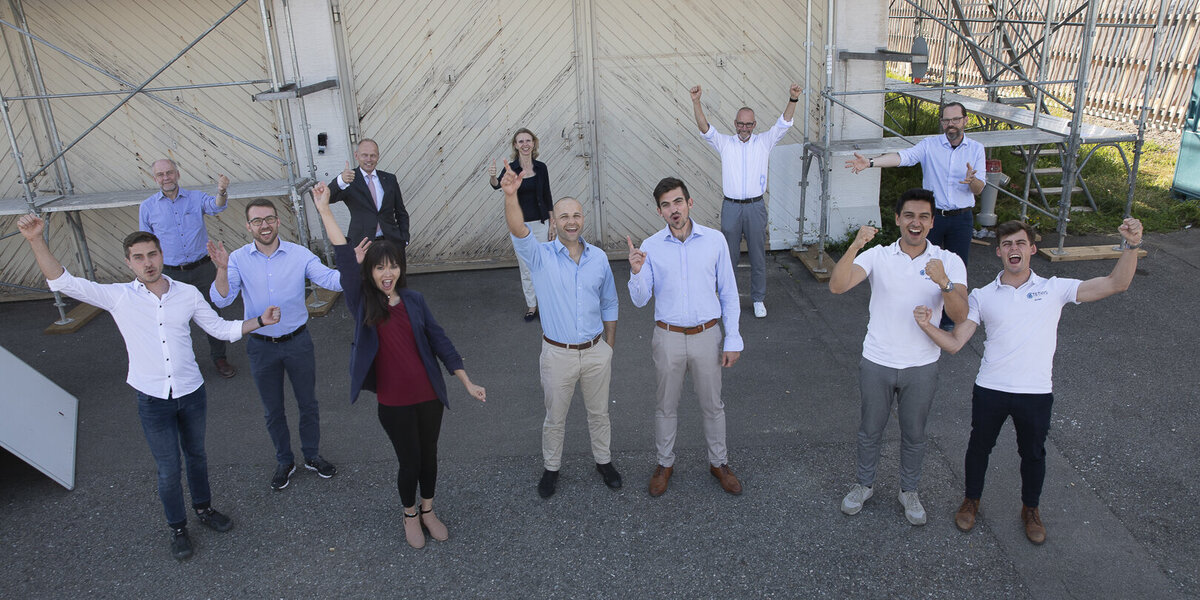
column 950, row 213
column 189, row 266
column 744, row 201
column 583, row 346
column 282, row 338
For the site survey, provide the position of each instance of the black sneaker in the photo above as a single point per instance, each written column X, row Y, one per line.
column 546, row 485
column 283, row 475
column 323, row 467
column 181, row 545
column 611, row 477
column 214, row 520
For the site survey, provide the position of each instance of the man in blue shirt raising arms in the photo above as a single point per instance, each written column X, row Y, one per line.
column 577, row 297
column 271, row 272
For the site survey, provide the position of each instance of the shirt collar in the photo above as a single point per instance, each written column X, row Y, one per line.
column 560, row 248
column 254, row 249
column 668, row 236
column 895, row 248
column 1033, row 279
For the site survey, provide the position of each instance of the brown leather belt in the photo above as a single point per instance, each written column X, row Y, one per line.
column 687, row 330
column 583, row 346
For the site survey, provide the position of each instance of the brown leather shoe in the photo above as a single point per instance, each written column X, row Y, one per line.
column 729, row 482
column 1034, row 530
column 225, row 369
column 658, row 481
column 965, row 517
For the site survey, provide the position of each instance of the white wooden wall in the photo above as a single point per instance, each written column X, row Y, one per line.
column 442, row 88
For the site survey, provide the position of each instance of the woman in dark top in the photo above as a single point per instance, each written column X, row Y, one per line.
column 534, row 197
column 396, row 340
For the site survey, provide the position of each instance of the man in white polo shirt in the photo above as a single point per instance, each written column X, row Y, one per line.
column 899, row 363
column 1021, row 312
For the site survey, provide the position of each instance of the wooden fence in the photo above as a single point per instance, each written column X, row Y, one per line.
column 1014, row 29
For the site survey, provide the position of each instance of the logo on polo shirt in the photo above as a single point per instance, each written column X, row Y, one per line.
column 1036, row 296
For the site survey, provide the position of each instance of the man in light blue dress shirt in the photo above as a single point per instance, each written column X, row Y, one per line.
column 270, row 271
column 176, row 217
column 686, row 267
column 577, row 298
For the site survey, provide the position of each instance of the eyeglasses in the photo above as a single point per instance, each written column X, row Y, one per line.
column 741, row 124
column 951, row 120
column 260, row 221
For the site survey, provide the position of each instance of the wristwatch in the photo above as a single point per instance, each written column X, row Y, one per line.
column 870, row 162
column 949, row 287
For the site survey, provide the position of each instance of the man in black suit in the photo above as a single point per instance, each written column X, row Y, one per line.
column 373, row 197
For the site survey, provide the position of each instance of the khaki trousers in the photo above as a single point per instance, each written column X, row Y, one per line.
column 561, row 369
column 674, row 355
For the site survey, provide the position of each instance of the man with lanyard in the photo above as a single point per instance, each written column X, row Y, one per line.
column 744, row 160
column 948, row 166
column 154, row 313
column 899, row 363
column 686, row 267
column 270, row 271
column 577, row 296
column 1020, row 311
column 176, row 217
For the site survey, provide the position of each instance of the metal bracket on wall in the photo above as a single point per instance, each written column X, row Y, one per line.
column 289, row 91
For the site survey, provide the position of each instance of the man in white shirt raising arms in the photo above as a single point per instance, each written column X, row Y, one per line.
column 1020, row 311
column 153, row 313
column 744, row 159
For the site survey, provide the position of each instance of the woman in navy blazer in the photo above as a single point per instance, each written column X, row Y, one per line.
column 397, row 359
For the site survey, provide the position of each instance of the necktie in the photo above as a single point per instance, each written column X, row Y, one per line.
column 375, row 198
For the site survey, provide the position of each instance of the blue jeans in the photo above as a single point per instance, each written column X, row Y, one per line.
column 268, row 363
column 1031, row 419
column 171, row 424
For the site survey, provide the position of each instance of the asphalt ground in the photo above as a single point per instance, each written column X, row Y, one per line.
column 1119, row 500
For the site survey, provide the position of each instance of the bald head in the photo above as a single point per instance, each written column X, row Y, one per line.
column 166, row 175
column 568, row 220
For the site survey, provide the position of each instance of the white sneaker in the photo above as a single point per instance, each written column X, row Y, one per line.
column 853, row 502
column 760, row 309
column 913, row 511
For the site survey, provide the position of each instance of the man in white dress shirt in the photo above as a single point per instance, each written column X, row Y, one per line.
column 686, row 267
column 744, row 159
column 153, row 313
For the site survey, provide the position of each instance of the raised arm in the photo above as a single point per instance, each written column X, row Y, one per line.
column 320, row 194
column 846, row 274
column 793, row 98
column 32, row 228
column 512, row 207
column 222, row 191
column 698, row 111
column 1122, row 274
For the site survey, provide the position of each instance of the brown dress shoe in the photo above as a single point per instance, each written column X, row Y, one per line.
column 1034, row 530
column 729, row 482
column 658, row 481
column 965, row 517
column 225, row 369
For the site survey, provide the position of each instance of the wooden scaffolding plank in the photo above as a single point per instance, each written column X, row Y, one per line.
column 1085, row 253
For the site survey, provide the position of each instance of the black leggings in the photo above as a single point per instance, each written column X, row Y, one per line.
column 414, row 433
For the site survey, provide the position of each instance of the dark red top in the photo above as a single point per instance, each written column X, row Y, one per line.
column 400, row 375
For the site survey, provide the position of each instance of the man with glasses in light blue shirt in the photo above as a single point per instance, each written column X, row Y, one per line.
column 577, row 298
column 268, row 272
column 686, row 267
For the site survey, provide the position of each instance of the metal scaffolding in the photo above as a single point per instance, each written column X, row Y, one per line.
column 1000, row 47
column 65, row 201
